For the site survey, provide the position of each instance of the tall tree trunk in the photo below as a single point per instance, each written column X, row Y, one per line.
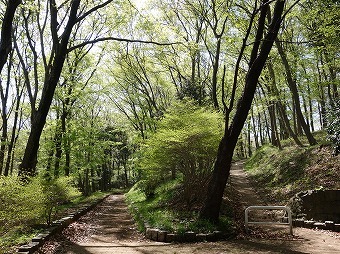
column 256, row 136
column 295, row 93
column 212, row 204
column 215, row 72
column 29, row 161
column 6, row 31
column 5, row 50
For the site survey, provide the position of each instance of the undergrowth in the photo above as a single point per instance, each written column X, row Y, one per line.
column 162, row 211
column 279, row 174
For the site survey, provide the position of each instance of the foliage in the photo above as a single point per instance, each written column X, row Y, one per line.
column 24, row 208
column 333, row 127
column 56, row 192
column 160, row 212
column 33, row 202
column 322, row 20
column 185, row 144
column 19, row 203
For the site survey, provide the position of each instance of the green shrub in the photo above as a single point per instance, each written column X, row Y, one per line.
column 185, row 144
column 56, row 192
column 20, row 204
column 32, row 203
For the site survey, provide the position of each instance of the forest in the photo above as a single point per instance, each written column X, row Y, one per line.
column 110, row 94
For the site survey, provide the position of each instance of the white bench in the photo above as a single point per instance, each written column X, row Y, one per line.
column 285, row 208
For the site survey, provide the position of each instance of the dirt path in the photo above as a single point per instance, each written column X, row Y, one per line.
column 109, row 228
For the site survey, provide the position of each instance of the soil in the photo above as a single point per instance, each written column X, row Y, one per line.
column 109, row 228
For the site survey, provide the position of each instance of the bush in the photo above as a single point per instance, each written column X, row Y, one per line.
column 185, row 144
column 56, row 192
column 20, row 204
column 32, row 203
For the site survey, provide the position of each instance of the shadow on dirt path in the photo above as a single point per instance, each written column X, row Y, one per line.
column 109, row 228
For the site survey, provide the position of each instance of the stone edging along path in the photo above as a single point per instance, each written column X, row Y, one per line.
column 57, row 226
column 327, row 225
column 159, row 235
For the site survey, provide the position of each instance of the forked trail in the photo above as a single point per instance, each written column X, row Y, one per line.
column 109, row 228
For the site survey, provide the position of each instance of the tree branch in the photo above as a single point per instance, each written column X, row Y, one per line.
column 92, row 10
column 91, row 42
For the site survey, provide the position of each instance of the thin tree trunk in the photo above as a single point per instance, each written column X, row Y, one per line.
column 281, row 107
column 295, row 94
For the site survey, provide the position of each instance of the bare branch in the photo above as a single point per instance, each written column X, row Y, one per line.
column 93, row 10
column 91, row 42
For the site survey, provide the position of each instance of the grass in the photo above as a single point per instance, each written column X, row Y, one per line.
column 159, row 212
column 280, row 174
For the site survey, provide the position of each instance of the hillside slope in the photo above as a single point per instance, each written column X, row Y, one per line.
column 280, row 174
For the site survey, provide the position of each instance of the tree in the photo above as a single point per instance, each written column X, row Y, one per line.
column 5, row 50
column 259, row 54
column 52, row 75
column 295, row 94
column 333, row 127
column 138, row 89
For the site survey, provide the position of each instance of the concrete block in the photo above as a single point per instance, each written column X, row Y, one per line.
column 309, row 223
column 319, row 225
column 161, row 236
column 329, row 225
column 170, row 238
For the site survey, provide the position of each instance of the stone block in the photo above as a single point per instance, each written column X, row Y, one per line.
column 171, row 238
column 67, row 219
column 329, row 225
column 298, row 222
column 201, row 237
column 189, row 236
column 161, row 236
column 337, row 227
column 148, row 233
column 218, row 235
column 319, row 225
column 154, row 234
column 211, row 237
column 309, row 223
column 40, row 238
column 30, row 248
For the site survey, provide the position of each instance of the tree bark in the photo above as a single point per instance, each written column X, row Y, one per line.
column 6, row 31
column 212, row 204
